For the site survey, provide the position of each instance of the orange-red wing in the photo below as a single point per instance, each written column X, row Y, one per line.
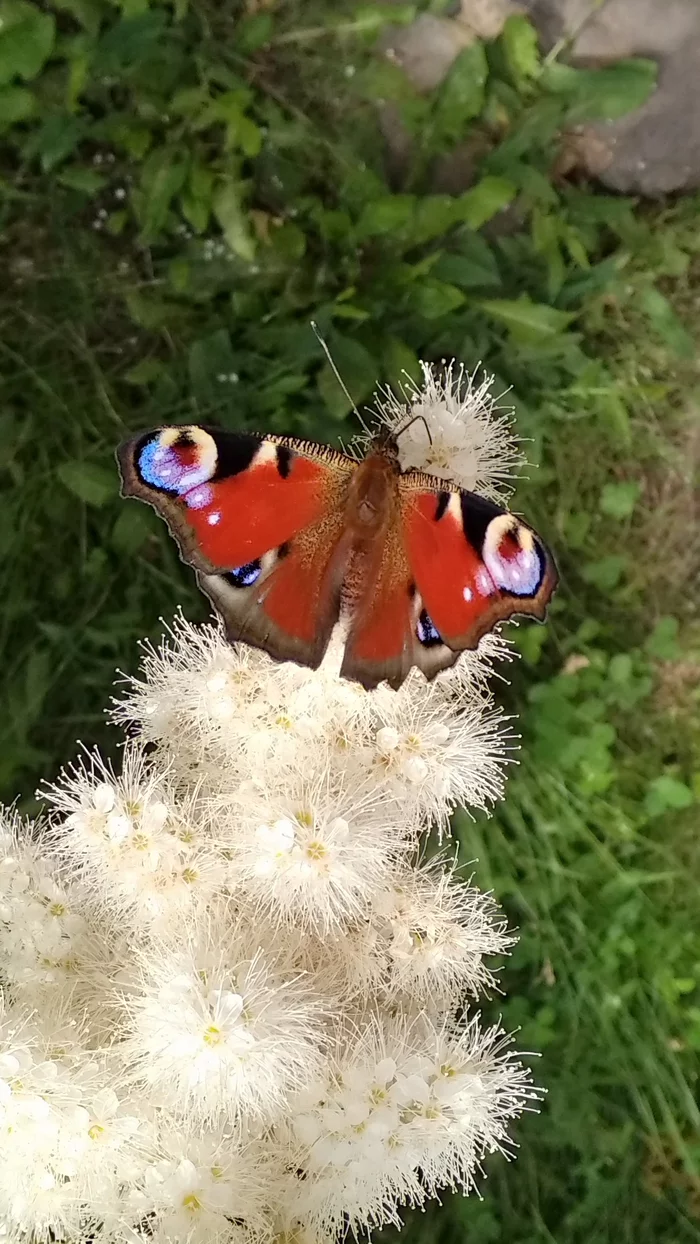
column 286, row 602
column 230, row 497
column 260, row 519
column 384, row 639
column 473, row 563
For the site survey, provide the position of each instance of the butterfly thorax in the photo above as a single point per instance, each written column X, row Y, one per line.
column 373, row 490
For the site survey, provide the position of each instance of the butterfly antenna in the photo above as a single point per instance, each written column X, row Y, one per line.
column 338, row 376
column 409, row 423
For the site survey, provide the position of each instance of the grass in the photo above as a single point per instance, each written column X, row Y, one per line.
column 141, row 141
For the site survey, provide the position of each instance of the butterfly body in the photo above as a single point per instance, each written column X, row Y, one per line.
column 286, row 536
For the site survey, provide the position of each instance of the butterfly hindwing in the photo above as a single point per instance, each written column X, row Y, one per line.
column 390, row 630
column 288, row 601
column 259, row 519
column 474, row 563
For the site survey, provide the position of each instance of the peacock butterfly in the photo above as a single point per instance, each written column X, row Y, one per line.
column 285, row 535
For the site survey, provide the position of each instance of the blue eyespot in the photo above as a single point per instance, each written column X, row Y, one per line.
column 179, row 467
column 244, row 576
column 426, row 631
column 158, row 466
column 516, row 568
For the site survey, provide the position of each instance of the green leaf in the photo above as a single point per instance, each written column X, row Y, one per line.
column 465, row 273
column 234, row 221
column 433, row 298
column 520, row 47
column 606, row 572
column 145, row 372
column 401, row 364
column 196, row 199
column 667, row 324
column 526, row 319
column 602, row 94
column 244, row 135
column 134, row 138
column 358, row 369
column 131, row 530
column 88, row 13
column 78, row 79
column 435, row 215
column 86, row 180
column 253, row 33
column 163, row 175
column 56, row 139
column 546, row 240
column 473, row 266
column 663, row 643
column 667, row 794
column 620, row 668
column 530, row 642
column 369, row 19
column 26, row 40
column 93, row 484
column 614, row 416
column 484, row 200
column 389, row 214
column 461, row 96
column 212, row 368
column 288, row 243
column 16, row 104
column 618, row 500
column 133, row 40
column 150, row 311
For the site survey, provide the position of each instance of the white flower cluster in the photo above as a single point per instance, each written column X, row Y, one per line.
column 458, row 431
column 235, row 983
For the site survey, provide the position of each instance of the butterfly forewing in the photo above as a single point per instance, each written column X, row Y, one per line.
column 259, row 518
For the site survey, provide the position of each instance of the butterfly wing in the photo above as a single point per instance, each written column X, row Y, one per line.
column 452, row 566
column 261, row 521
column 386, row 635
column 474, row 563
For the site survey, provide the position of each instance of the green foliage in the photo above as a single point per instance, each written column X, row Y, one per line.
column 185, row 187
column 26, row 40
column 594, row 94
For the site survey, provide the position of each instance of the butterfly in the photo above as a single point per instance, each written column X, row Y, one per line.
column 287, row 535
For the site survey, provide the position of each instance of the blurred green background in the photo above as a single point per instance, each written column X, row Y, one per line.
column 183, row 188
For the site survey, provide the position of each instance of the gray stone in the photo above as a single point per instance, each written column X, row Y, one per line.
column 652, row 151
column 426, row 49
column 611, row 30
column 656, row 149
column 486, row 17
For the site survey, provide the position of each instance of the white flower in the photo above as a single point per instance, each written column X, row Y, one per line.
column 218, row 1033
column 49, row 1102
column 194, row 1204
column 314, row 855
column 436, row 931
column 458, row 431
column 130, row 843
column 407, row 1109
column 433, row 752
column 41, row 928
column 210, row 1190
